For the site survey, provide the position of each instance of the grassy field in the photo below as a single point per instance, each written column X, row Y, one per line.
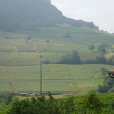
column 20, row 59
column 78, row 78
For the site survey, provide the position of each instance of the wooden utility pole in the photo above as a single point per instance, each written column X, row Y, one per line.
column 41, row 78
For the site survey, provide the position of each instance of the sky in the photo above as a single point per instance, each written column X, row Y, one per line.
column 101, row 12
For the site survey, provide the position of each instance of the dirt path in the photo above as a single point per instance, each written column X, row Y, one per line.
column 11, row 81
column 15, row 48
column 58, row 76
column 92, row 76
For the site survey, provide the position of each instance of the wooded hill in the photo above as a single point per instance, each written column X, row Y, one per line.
column 32, row 14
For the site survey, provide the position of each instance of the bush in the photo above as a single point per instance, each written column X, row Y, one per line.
column 92, row 103
column 41, row 105
column 89, row 104
column 107, row 85
column 8, row 98
column 91, row 47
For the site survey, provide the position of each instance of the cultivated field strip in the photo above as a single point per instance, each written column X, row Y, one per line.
column 55, row 78
column 10, row 80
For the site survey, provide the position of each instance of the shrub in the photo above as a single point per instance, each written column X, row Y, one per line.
column 92, row 103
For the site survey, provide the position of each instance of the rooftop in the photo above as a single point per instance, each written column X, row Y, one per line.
column 111, row 71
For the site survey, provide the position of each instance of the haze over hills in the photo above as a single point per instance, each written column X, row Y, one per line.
column 32, row 14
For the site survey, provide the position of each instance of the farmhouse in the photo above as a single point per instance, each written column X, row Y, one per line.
column 111, row 73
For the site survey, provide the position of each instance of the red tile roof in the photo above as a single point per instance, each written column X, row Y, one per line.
column 111, row 71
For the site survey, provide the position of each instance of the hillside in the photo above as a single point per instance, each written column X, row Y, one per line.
column 32, row 14
column 34, row 31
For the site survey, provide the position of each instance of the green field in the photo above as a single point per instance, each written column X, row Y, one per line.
column 58, row 78
column 20, row 59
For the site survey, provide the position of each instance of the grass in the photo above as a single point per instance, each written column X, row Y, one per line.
column 80, row 35
column 56, row 77
column 5, row 86
column 53, row 51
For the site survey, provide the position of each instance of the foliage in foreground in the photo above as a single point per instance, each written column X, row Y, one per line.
column 107, row 86
column 91, row 104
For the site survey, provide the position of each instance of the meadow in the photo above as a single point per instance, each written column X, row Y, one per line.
column 57, row 78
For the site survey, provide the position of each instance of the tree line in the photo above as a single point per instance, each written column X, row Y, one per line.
column 74, row 58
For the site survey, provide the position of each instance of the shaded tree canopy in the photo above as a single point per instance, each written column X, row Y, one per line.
column 71, row 58
column 108, row 85
column 91, row 47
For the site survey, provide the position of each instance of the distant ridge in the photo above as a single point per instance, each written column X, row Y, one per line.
column 32, row 14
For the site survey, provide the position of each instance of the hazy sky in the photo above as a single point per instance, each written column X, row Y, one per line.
column 101, row 12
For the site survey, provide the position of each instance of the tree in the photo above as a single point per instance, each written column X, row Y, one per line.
column 41, row 105
column 76, row 58
column 9, row 98
column 111, row 90
column 109, row 46
column 106, row 45
column 67, row 35
column 104, row 71
column 47, row 41
column 111, row 60
column 91, row 47
column 101, row 60
column 107, row 85
column 101, row 49
column 71, row 58
column 29, row 38
column 92, row 103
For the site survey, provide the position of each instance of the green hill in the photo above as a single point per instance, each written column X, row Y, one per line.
column 32, row 14
column 32, row 31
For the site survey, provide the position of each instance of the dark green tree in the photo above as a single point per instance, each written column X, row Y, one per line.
column 47, row 41
column 103, row 71
column 8, row 98
column 91, row 47
column 67, row 35
column 111, row 60
column 101, row 60
column 107, row 85
column 92, row 103
column 71, row 58
column 29, row 38
column 101, row 49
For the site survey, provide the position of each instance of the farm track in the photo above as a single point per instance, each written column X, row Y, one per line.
column 54, row 92
column 58, row 76
column 70, row 84
column 56, row 79
column 92, row 76
column 11, row 81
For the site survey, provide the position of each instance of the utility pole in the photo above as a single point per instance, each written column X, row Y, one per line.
column 41, row 78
